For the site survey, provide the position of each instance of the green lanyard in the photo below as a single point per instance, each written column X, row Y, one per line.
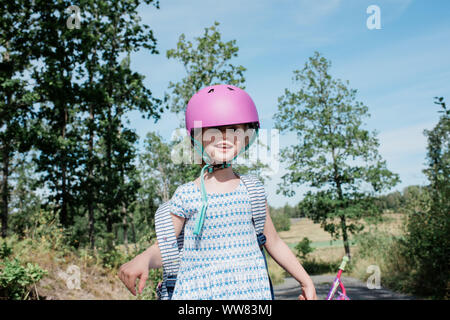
column 201, row 217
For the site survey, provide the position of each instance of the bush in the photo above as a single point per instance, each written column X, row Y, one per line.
column 281, row 221
column 304, row 248
column 426, row 246
column 47, row 233
column 110, row 256
column 427, row 241
column 111, row 259
column 16, row 280
column 154, row 275
column 418, row 262
column 376, row 248
column 374, row 245
column 5, row 250
column 406, row 265
column 314, row 266
column 149, row 292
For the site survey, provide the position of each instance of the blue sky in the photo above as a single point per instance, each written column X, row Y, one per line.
column 397, row 69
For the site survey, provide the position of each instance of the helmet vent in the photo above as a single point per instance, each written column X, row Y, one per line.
column 211, row 90
column 231, row 89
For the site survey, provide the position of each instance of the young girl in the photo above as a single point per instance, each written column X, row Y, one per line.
column 221, row 258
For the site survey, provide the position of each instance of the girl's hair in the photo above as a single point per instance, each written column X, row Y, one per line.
column 250, row 125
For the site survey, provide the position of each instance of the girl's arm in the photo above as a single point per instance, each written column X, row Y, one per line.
column 281, row 253
column 149, row 259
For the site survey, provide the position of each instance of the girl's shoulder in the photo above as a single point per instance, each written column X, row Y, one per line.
column 181, row 202
column 187, row 187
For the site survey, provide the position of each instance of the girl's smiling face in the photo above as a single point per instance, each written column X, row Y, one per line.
column 223, row 143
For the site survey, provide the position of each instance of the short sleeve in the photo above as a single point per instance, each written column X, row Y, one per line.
column 176, row 205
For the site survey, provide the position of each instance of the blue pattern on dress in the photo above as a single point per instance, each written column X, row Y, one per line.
column 224, row 261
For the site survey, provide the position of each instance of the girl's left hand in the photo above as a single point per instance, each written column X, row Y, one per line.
column 308, row 292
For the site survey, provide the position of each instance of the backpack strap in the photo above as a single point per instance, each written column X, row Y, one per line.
column 169, row 247
column 256, row 193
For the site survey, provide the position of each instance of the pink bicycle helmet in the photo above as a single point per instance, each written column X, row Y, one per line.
column 220, row 105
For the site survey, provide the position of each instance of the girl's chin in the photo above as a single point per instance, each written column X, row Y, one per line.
column 223, row 158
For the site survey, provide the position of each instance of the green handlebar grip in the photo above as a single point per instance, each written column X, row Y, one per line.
column 344, row 262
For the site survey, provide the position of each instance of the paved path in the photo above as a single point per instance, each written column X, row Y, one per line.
column 356, row 289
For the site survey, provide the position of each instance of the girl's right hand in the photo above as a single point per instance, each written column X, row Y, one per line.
column 134, row 269
column 308, row 292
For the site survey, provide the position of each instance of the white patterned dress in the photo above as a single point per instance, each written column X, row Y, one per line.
column 224, row 261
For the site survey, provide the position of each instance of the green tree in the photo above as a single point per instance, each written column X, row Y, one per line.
column 16, row 104
column 411, row 196
column 438, row 156
column 58, row 137
column 148, row 195
column 123, row 91
column 158, row 178
column 112, row 30
column 25, row 200
column 90, row 100
column 129, row 182
column 392, row 201
column 427, row 241
column 206, row 63
column 158, row 163
column 334, row 154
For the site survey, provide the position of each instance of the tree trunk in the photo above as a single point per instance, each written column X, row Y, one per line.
column 337, row 180
column 90, row 199
column 110, row 91
column 116, row 235
column 109, row 207
column 91, row 224
column 345, row 237
column 92, row 190
column 344, row 225
column 165, row 191
column 109, row 226
column 63, row 213
column 133, row 231
column 5, row 167
column 5, row 173
column 125, row 227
